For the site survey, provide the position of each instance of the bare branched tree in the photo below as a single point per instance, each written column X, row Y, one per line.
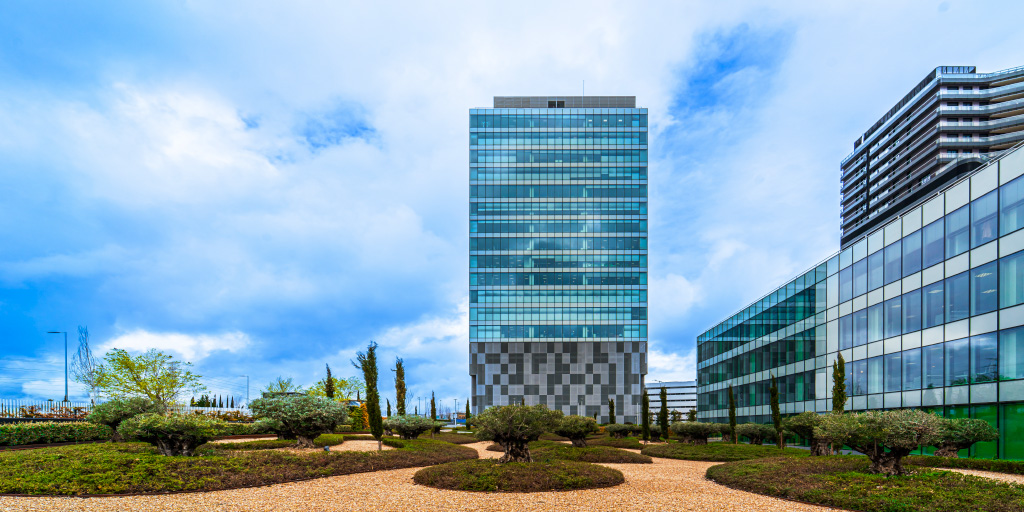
column 85, row 367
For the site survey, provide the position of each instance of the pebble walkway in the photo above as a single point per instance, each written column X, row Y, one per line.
column 666, row 485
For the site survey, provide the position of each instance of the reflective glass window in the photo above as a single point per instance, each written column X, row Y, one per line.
column 984, row 367
column 845, row 332
column 893, row 372
column 1011, row 206
column 932, row 365
column 912, row 369
column 911, row 253
column 932, row 310
column 1011, row 354
column 876, row 329
column 876, row 265
column 893, row 257
column 1011, row 280
column 860, row 277
column 911, row 306
column 958, row 362
column 984, row 219
column 958, row 297
column 933, row 243
column 860, row 377
column 893, row 317
column 958, row 238
column 984, row 292
column 875, row 375
column 845, row 284
column 860, row 327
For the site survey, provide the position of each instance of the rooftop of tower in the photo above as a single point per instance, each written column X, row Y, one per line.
column 565, row 102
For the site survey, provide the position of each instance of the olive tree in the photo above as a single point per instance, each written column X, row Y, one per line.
column 576, row 428
column 174, row 434
column 113, row 412
column 961, row 433
column 621, row 430
column 695, row 432
column 885, row 437
column 803, row 425
column 755, row 432
column 409, row 426
column 514, row 426
column 304, row 416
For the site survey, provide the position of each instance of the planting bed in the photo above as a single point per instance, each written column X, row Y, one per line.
column 488, row 475
column 720, row 452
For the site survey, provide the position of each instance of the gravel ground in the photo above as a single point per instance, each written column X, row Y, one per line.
column 667, row 484
column 1002, row 477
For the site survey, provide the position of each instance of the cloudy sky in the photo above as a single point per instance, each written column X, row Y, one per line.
column 262, row 188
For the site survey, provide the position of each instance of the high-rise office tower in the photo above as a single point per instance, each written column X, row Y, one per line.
column 948, row 125
column 558, row 253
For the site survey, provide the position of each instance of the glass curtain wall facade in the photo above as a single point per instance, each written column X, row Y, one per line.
column 928, row 312
column 558, row 254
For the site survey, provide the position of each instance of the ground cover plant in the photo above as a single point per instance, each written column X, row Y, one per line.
column 845, row 482
column 1013, row 467
column 120, row 468
column 453, row 438
column 719, row 452
column 550, row 450
column 631, row 443
column 491, row 475
column 16, row 434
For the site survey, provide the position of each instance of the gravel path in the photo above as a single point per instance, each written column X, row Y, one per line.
column 667, row 484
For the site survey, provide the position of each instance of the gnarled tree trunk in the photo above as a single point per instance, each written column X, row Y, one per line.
column 819, row 448
column 579, row 443
column 700, row 440
column 948, row 450
column 888, row 463
column 304, row 441
column 516, row 452
column 173, row 447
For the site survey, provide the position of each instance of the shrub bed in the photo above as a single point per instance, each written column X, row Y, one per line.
column 1013, row 467
column 719, row 452
column 452, row 438
column 489, row 475
column 631, row 443
column 549, row 450
column 15, row 434
column 844, row 482
column 125, row 468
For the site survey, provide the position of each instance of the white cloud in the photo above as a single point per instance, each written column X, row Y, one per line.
column 190, row 347
column 670, row 366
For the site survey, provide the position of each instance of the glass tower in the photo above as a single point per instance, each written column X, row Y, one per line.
column 558, row 253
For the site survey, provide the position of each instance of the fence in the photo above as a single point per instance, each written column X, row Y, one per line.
column 49, row 409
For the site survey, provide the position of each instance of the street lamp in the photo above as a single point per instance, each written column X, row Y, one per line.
column 65, row 360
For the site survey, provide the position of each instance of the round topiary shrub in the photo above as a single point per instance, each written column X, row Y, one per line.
column 514, row 426
column 409, row 426
column 174, row 434
column 576, row 428
column 305, row 417
column 492, row 476
column 113, row 412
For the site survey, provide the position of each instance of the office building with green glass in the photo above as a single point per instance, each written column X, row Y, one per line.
column 558, row 253
column 927, row 310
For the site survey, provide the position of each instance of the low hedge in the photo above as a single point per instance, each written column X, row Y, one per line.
column 843, row 481
column 488, row 475
column 15, row 434
column 719, row 452
column 1013, row 467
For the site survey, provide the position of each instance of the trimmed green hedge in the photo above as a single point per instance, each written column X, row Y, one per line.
column 16, row 434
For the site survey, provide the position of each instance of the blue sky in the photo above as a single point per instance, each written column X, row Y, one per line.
column 262, row 188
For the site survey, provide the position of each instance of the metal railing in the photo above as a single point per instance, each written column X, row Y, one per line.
column 50, row 409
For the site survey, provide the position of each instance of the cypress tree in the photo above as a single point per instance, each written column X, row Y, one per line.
column 232, row 402
column 388, row 400
column 467, row 413
column 839, row 385
column 691, row 415
column 663, row 414
column 433, row 412
column 400, row 386
column 192, row 402
column 732, row 417
column 329, row 383
column 368, row 363
column 645, row 426
column 776, row 415
column 611, row 411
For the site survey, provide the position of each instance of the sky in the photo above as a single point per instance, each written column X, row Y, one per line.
column 262, row 188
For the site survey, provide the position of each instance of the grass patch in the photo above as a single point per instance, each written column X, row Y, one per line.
column 550, row 450
column 720, row 452
column 122, row 468
column 843, row 481
column 488, row 475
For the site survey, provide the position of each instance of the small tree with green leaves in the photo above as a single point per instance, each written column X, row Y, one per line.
column 433, row 414
column 803, row 425
column 467, row 415
column 885, row 437
column 663, row 415
column 732, row 416
column 645, row 405
column 174, row 434
column 754, row 432
column 367, row 362
column 388, row 400
column 329, row 384
column 152, row 374
column 611, row 411
column 399, row 386
column 622, row 430
column 780, row 438
column 408, row 426
column 576, row 428
column 695, row 432
column 113, row 412
column 691, row 415
column 305, row 417
column 514, row 427
column 961, row 433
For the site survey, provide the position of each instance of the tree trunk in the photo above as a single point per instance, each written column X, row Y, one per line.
column 379, row 446
column 819, row 448
column 882, row 462
column 700, row 440
column 516, row 452
column 172, row 448
column 304, row 441
column 579, row 443
column 117, row 438
column 948, row 450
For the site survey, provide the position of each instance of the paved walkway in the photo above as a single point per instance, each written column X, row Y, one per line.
column 666, row 485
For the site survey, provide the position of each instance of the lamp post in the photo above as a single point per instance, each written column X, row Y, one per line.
column 65, row 360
